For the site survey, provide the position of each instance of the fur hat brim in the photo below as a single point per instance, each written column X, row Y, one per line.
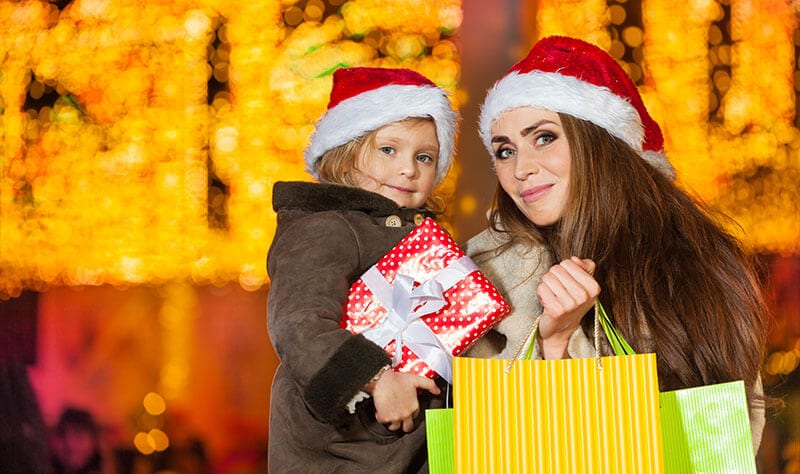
column 371, row 110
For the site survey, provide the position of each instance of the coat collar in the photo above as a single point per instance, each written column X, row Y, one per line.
column 319, row 197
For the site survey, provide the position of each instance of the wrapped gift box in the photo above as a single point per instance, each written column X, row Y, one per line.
column 426, row 297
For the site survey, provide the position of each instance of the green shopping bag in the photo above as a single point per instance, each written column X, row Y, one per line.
column 441, row 448
column 703, row 429
column 707, row 429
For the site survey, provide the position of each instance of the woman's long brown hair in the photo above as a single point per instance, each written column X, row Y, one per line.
column 661, row 256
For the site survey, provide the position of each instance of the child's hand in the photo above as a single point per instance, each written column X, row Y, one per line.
column 566, row 292
column 395, row 397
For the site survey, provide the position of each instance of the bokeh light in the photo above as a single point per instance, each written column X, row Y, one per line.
column 141, row 140
column 154, row 404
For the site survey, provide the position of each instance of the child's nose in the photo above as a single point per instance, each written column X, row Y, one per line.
column 408, row 167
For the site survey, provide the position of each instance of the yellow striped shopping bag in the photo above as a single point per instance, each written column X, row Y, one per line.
column 596, row 415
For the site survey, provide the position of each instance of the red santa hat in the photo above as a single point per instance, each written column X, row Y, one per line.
column 571, row 76
column 364, row 99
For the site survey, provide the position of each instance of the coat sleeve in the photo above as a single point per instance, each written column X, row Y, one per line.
column 311, row 264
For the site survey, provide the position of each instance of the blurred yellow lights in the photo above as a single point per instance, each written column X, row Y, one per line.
column 154, row 404
column 150, row 442
column 468, row 205
column 140, row 142
column 176, row 317
column 782, row 363
column 197, row 24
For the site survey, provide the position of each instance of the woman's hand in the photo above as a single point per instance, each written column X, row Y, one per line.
column 566, row 292
column 395, row 397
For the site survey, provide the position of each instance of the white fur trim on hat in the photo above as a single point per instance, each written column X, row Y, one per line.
column 660, row 162
column 370, row 110
column 565, row 94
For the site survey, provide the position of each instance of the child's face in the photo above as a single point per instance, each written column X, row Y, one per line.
column 402, row 164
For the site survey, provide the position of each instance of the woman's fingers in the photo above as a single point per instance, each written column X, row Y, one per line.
column 571, row 282
column 566, row 292
column 588, row 265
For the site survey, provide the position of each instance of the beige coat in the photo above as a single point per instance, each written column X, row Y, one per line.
column 516, row 273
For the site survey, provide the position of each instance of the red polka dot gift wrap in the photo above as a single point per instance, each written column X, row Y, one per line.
column 424, row 302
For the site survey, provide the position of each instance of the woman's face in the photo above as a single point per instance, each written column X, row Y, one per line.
column 402, row 164
column 533, row 162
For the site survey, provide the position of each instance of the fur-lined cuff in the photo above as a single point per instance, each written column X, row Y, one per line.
column 345, row 374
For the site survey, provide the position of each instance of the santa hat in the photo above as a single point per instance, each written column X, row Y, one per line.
column 364, row 99
column 571, row 76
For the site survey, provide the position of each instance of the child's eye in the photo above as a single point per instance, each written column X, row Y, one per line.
column 387, row 150
column 503, row 153
column 425, row 158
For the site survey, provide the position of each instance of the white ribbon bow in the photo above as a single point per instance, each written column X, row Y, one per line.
column 406, row 306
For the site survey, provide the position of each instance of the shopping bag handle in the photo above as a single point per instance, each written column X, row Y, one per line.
column 618, row 343
column 601, row 322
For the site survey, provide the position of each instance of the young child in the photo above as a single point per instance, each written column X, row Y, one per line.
column 384, row 143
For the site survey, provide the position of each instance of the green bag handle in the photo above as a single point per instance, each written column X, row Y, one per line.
column 618, row 343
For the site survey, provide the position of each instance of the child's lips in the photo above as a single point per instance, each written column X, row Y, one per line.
column 401, row 189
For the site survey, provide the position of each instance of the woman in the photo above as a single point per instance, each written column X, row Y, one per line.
column 583, row 181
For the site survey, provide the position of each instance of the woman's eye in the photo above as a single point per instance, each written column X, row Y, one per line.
column 424, row 158
column 503, row 153
column 545, row 138
column 386, row 149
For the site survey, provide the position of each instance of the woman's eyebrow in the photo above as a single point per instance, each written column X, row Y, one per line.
column 528, row 130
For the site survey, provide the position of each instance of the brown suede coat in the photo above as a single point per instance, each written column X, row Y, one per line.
column 327, row 237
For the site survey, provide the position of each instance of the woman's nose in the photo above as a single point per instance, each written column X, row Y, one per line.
column 525, row 166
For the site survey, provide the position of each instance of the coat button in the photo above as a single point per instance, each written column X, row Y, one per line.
column 418, row 218
column 393, row 221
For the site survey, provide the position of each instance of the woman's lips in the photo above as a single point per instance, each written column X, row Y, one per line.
column 535, row 193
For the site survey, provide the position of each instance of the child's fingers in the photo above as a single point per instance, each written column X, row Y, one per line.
column 408, row 424
column 428, row 384
column 396, row 403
